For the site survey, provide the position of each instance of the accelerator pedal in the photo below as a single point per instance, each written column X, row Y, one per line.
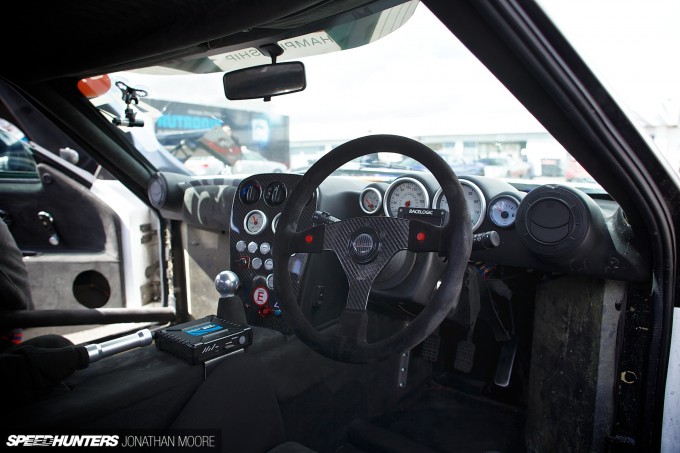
column 506, row 360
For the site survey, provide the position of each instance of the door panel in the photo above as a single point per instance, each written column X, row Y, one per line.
column 70, row 240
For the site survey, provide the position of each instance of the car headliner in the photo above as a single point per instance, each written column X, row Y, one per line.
column 93, row 38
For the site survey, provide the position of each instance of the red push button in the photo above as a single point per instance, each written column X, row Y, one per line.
column 265, row 312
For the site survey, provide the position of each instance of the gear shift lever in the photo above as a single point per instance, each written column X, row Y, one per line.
column 226, row 283
column 229, row 306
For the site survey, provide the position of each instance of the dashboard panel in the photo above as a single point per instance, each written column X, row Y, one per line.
column 256, row 208
column 552, row 228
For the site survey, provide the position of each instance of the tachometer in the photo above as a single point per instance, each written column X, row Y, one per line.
column 255, row 222
column 476, row 203
column 405, row 192
column 370, row 200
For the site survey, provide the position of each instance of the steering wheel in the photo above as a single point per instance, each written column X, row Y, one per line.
column 364, row 245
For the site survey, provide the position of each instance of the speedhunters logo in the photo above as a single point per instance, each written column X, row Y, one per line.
column 178, row 440
column 46, row 440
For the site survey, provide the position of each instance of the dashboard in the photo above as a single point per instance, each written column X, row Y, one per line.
column 551, row 227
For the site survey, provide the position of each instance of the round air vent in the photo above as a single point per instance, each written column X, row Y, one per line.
column 553, row 219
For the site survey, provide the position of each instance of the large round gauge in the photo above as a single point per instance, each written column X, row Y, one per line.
column 503, row 210
column 407, row 193
column 255, row 222
column 476, row 203
column 275, row 222
column 370, row 200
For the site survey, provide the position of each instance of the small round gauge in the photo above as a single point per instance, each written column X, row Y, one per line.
column 407, row 193
column 157, row 190
column 476, row 203
column 255, row 222
column 370, row 200
column 502, row 211
column 275, row 222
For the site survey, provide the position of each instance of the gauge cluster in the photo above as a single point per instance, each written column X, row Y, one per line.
column 492, row 204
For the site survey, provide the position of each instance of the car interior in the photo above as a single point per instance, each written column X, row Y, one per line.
column 315, row 310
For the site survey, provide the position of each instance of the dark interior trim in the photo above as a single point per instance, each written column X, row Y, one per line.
column 519, row 43
column 45, row 318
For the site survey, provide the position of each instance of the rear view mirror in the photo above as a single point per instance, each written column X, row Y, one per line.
column 265, row 81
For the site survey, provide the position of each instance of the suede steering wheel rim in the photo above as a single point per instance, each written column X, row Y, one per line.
column 364, row 245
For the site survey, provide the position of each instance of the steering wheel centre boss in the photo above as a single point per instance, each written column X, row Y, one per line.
column 204, row 339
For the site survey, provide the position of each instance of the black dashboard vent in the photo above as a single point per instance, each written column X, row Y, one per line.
column 553, row 220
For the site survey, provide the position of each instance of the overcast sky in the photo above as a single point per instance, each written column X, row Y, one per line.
column 395, row 84
column 634, row 47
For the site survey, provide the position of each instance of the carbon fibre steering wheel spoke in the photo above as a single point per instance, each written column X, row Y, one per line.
column 364, row 245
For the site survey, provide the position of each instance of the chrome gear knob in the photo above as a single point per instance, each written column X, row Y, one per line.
column 226, row 283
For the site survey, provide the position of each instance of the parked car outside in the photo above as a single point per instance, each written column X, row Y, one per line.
column 205, row 165
column 464, row 167
column 574, row 172
column 506, row 167
column 15, row 155
column 459, row 165
column 250, row 162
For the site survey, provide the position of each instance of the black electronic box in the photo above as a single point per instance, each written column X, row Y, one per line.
column 204, row 339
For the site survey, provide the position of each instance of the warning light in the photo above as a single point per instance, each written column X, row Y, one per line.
column 309, row 239
column 420, row 236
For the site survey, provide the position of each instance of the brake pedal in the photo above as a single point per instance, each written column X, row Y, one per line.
column 430, row 348
column 465, row 356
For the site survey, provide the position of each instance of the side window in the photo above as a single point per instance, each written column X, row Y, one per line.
column 16, row 160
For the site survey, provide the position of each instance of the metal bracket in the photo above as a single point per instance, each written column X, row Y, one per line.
column 403, row 369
